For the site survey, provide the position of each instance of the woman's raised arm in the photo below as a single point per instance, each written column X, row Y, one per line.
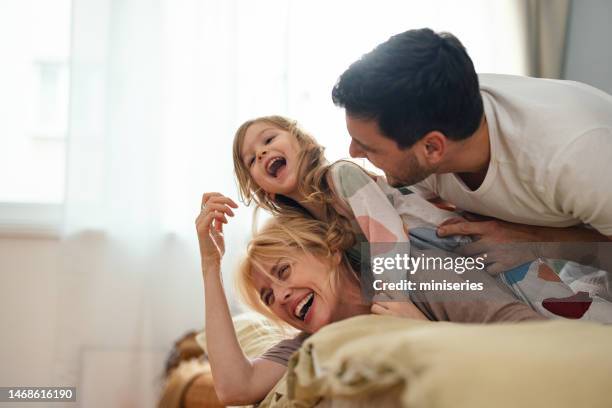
column 238, row 381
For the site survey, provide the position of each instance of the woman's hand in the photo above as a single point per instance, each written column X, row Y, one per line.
column 209, row 225
column 404, row 308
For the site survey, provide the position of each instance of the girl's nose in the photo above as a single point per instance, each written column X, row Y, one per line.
column 261, row 154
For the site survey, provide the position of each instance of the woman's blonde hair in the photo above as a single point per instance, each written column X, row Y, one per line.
column 280, row 238
column 312, row 174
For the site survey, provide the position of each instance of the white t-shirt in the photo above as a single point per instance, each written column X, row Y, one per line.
column 551, row 155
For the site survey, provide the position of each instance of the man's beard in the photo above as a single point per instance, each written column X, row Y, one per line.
column 410, row 173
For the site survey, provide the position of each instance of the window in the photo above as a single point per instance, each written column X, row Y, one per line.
column 201, row 68
column 34, row 39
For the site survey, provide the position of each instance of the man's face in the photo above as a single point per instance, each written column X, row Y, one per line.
column 401, row 166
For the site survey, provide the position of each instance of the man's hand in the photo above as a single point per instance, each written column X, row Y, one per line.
column 495, row 240
column 489, row 230
column 501, row 257
column 508, row 244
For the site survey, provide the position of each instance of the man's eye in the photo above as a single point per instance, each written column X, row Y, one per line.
column 269, row 139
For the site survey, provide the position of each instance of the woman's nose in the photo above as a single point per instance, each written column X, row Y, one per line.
column 282, row 293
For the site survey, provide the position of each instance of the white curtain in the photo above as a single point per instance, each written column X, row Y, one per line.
column 158, row 88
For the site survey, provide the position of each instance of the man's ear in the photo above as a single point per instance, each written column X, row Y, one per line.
column 433, row 147
column 336, row 258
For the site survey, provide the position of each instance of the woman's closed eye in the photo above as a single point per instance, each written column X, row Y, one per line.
column 283, row 272
column 267, row 297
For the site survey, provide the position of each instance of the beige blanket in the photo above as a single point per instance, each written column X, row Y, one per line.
column 376, row 360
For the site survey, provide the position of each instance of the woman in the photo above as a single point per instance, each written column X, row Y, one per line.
column 296, row 272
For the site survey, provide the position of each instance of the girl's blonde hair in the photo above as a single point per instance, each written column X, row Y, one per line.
column 281, row 238
column 312, row 174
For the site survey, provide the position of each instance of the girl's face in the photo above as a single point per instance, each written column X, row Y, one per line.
column 301, row 295
column 271, row 155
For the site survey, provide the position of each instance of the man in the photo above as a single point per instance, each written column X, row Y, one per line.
column 522, row 150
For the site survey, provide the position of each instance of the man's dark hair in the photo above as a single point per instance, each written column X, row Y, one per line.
column 414, row 83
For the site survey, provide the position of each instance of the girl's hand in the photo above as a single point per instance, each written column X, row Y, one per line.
column 209, row 225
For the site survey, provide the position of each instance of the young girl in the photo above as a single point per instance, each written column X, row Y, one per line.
column 282, row 168
column 295, row 272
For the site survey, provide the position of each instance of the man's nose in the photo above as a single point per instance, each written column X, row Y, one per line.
column 355, row 151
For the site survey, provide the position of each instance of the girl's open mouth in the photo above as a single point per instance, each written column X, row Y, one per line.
column 276, row 165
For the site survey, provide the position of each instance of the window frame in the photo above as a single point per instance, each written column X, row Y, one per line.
column 34, row 220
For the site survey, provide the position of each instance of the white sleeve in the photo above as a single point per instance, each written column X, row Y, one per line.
column 580, row 179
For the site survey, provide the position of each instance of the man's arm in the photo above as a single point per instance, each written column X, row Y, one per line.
column 502, row 232
column 578, row 185
column 575, row 186
column 597, row 255
column 507, row 245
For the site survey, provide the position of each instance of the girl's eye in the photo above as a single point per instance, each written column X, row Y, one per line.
column 269, row 139
column 251, row 161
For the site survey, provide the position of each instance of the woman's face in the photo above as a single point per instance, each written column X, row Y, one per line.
column 302, row 296
column 271, row 154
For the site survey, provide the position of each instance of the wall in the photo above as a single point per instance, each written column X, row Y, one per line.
column 43, row 319
column 28, row 268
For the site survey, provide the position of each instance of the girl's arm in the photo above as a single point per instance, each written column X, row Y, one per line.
column 375, row 214
column 238, row 381
column 378, row 220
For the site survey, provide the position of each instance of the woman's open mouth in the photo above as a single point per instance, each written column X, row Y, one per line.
column 275, row 165
column 303, row 307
